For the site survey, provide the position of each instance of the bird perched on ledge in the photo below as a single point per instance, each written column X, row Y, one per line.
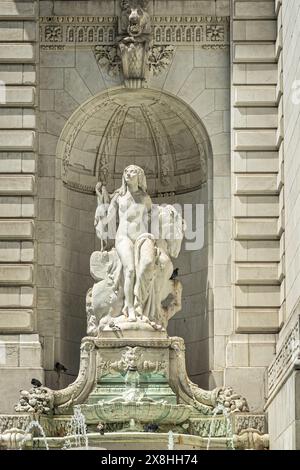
column 101, row 428
column 151, row 427
column 60, row 367
column 114, row 327
column 36, row 383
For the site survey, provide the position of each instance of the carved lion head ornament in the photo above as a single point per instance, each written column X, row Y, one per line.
column 135, row 19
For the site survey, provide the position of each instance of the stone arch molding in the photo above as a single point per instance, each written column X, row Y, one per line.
column 154, row 130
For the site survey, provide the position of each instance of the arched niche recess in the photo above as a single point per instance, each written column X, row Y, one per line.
column 160, row 133
column 152, row 129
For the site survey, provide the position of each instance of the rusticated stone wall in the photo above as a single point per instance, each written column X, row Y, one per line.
column 20, row 349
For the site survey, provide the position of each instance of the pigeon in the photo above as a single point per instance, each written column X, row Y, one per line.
column 174, row 274
column 60, row 367
column 114, row 327
column 36, row 383
column 101, row 428
column 152, row 427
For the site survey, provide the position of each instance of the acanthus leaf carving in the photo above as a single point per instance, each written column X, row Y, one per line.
column 160, row 57
column 108, row 57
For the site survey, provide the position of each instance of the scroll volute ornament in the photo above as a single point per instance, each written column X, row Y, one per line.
column 134, row 41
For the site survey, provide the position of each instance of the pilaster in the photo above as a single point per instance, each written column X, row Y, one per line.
column 20, row 357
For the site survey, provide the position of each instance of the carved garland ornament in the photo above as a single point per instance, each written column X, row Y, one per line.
column 132, row 358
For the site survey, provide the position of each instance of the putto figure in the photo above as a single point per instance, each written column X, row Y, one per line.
column 134, row 278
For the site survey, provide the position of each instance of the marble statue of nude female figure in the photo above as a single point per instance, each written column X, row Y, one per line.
column 132, row 205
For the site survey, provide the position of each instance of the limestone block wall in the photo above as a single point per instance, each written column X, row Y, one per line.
column 283, row 374
column 20, row 348
column 290, row 14
column 258, row 275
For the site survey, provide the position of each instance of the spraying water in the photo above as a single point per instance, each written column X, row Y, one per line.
column 77, row 430
column 34, row 425
column 170, row 440
column 221, row 409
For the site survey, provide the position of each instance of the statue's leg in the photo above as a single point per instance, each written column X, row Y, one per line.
column 145, row 271
column 125, row 251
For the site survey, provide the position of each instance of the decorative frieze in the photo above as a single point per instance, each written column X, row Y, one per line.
column 14, row 421
column 219, row 426
column 166, row 30
column 132, row 359
column 286, row 359
column 249, row 421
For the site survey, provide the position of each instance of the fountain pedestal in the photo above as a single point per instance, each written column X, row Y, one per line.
column 133, row 385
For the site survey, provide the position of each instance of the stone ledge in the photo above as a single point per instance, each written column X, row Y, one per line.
column 17, row 206
column 255, row 140
column 255, row 74
column 249, row 30
column 19, row 96
column 259, row 95
column 256, row 162
column 18, row 274
column 17, row 53
column 257, row 296
column 16, row 297
column 17, row 118
column 256, row 229
column 254, row 9
column 257, row 320
column 16, row 229
column 16, row 320
column 254, row 53
column 17, row 10
column 16, row 252
column 257, row 251
column 17, row 162
column 17, row 140
column 16, row 185
column 17, row 31
column 256, row 273
column 255, row 117
column 256, row 206
column 256, row 184
column 18, row 74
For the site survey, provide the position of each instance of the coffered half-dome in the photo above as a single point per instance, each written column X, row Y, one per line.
column 148, row 128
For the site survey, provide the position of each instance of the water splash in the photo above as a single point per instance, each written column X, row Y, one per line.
column 77, row 430
column 34, row 425
column 229, row 432
column 170, row 440
column 212, row 425
column 221, row 409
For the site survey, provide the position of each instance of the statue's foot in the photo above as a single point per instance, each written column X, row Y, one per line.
column 139, row 312
column 157, row 327
column 131, row 315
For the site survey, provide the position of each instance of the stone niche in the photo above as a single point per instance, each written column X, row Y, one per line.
column 161, row 134
column 147, row 128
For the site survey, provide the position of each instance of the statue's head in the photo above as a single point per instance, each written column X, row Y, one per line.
column 134, row 172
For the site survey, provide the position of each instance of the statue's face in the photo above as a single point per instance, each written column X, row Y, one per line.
column 131, row 175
